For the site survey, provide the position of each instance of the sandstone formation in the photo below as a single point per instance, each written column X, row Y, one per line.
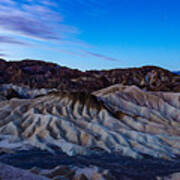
column 121, row 119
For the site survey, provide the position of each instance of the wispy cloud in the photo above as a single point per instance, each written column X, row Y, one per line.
column 101, row 56
column 10, row 2
column 84, row 54
column 3, row 54
column 42, row 20
column 25, row 26
column 28, row 20
column 11, row 40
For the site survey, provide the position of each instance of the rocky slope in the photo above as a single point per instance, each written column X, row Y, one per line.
column 66, row 124
column 121, row 119
column 120, row 132
column 39, row 74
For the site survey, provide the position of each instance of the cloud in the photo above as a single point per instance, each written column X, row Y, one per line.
column 34, row 19
column 11, row 40
column 3, row 55
column 10, row 2
column 84, row 53
column 101, row 56
column 48, row 3
column 29, row 27
column 42, row 20
column 28, row 20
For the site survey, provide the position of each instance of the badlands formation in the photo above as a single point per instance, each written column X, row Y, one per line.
column 118, row 119
column 123, row 127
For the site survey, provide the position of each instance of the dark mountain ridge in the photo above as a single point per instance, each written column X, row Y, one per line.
column 40, row 74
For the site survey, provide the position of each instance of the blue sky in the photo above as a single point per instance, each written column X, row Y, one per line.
column 90, row 34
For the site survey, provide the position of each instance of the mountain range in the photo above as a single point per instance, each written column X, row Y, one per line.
column 39, row 74
column 62, row 123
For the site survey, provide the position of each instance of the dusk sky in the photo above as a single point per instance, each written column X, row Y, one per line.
column 91, row 34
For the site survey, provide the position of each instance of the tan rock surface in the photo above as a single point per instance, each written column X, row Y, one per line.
column 120, row 119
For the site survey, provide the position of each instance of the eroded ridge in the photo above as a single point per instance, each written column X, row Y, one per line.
column 121, row 119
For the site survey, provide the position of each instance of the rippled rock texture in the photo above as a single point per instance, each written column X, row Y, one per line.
column 120, row 119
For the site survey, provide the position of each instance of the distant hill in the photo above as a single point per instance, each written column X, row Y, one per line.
column 176, row 72
column 40, row 74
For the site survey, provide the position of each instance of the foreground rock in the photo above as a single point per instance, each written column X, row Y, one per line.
column 120, row 132
column 125, row 169
column 11, row 173
column 57, row 173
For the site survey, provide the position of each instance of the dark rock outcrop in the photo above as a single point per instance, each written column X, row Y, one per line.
column 39, row 74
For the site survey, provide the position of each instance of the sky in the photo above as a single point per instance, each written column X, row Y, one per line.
column 91, row 34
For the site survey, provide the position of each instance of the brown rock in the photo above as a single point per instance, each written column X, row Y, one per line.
column 39, row 74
